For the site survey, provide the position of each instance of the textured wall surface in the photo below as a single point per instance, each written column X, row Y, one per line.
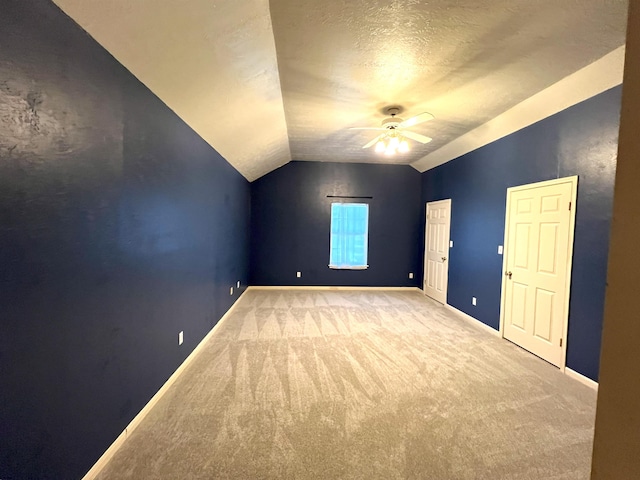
column 119, row 227
column 579, row 141
column 290, row 221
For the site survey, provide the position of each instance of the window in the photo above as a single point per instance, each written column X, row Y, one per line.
column 349, row 236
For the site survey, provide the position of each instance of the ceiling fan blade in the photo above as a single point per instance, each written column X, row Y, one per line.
column 415, row 136
column 367, row 128
column 375, row 140
column 420, row 118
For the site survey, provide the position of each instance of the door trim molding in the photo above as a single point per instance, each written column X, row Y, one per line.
column 573, row 180
column 426, row 244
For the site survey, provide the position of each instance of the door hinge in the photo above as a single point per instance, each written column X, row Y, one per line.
column 570, row 206
column 560, row 342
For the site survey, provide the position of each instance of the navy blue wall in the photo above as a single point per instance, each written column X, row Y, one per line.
column 119, row 227
column 582, row 141
column 291, row 218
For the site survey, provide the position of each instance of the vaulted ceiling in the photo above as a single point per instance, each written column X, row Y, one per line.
column 265, row 82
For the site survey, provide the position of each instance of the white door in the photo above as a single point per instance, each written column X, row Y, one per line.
column 436, row 255
column 537, row 266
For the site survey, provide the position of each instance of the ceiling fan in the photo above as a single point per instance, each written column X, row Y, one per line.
column 395, row 132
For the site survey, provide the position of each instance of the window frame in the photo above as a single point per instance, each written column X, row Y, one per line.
column 366, row 238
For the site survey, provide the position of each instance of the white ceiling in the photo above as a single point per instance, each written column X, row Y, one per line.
column 266, row 82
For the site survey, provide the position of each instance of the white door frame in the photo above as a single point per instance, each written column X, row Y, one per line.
column 426, row 244
column 572, row 225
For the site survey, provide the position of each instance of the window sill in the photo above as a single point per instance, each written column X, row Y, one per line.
column 349, row 267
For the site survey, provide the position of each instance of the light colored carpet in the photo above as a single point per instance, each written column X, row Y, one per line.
column 361, row 385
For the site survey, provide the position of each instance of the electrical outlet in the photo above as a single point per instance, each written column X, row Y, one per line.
column 473, row 300
column 180, row 338
column 450, row 243
column 238, row 284
column 410, row 274
column 231, row 291
column 499, row 249
column 298, row 274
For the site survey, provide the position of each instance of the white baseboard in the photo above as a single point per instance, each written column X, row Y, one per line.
column 111, row 451
column 570, row 373
column 115, row 446
column 301, row 287
column 581, row 378
column 473, row 320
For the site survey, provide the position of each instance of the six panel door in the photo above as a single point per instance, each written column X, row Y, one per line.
column 538, row 227
column 437, row 250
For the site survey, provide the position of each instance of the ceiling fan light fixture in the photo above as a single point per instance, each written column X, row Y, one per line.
column 394, row 140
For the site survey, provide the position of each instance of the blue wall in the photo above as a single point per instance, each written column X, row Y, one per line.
column 582, row 141
column 290, row 221
column 119, row 227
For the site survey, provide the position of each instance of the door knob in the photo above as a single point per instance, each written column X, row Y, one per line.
column 444, row 259
column 508, row 274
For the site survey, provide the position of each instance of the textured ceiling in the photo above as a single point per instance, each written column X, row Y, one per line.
column 212, row 62
column 339, row 63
